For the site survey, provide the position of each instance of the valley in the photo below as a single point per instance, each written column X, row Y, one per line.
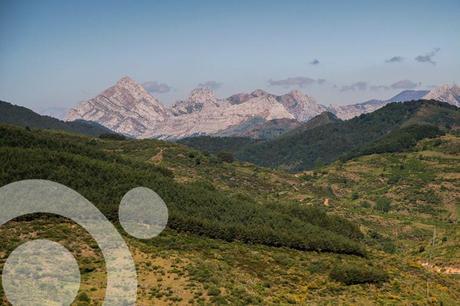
column 393, row 243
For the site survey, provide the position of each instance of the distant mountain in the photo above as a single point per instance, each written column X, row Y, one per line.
column 444, row 93
column 55, row 112
column 126, row 108
column 350, row 111
column 302, row 149
column 18, row 115
column 409, row 95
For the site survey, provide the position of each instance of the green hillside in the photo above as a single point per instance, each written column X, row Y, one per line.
column 18, row 115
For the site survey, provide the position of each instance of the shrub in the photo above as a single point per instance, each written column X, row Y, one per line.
column 83, row 297
column 225, row 157
column 383, row 204
column 351, row 274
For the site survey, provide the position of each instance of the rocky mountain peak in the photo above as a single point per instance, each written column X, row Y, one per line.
column 259, row 93
column 126, row 108
column 126, row 81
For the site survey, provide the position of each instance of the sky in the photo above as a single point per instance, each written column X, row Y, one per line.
column 58, row 53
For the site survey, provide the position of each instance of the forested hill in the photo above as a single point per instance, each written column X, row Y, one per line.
column 302, row 149
column 18, row 115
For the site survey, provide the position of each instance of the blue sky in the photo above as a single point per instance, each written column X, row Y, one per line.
column 57, row 53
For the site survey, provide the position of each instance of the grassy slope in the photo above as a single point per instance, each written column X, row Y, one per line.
column 178, row 267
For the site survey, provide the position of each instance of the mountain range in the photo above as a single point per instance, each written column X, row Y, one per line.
column 129, row 109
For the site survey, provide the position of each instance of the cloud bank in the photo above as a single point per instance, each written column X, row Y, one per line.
column 296, row 81
column 394, row 59
column 428, row 57
column 155, row 87
column 402, row 84
column 361, row 85
column 210, row 84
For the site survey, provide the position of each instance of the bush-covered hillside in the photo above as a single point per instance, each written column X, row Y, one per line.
column 396, row 199
column 196, row 207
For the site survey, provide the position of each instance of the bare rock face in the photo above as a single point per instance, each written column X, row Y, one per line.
column 301, row 106
column 126, row 108
column 445, row 93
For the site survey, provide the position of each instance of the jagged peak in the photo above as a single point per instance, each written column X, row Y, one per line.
column 296, row 93
column 202, row 94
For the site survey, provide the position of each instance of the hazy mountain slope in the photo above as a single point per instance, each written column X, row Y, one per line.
column 258, row 128
column 444, row 93
column 408, row 95
column 324, row 144
column 18, row 115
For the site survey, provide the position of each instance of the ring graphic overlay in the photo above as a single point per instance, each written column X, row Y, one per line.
column 42, row 196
